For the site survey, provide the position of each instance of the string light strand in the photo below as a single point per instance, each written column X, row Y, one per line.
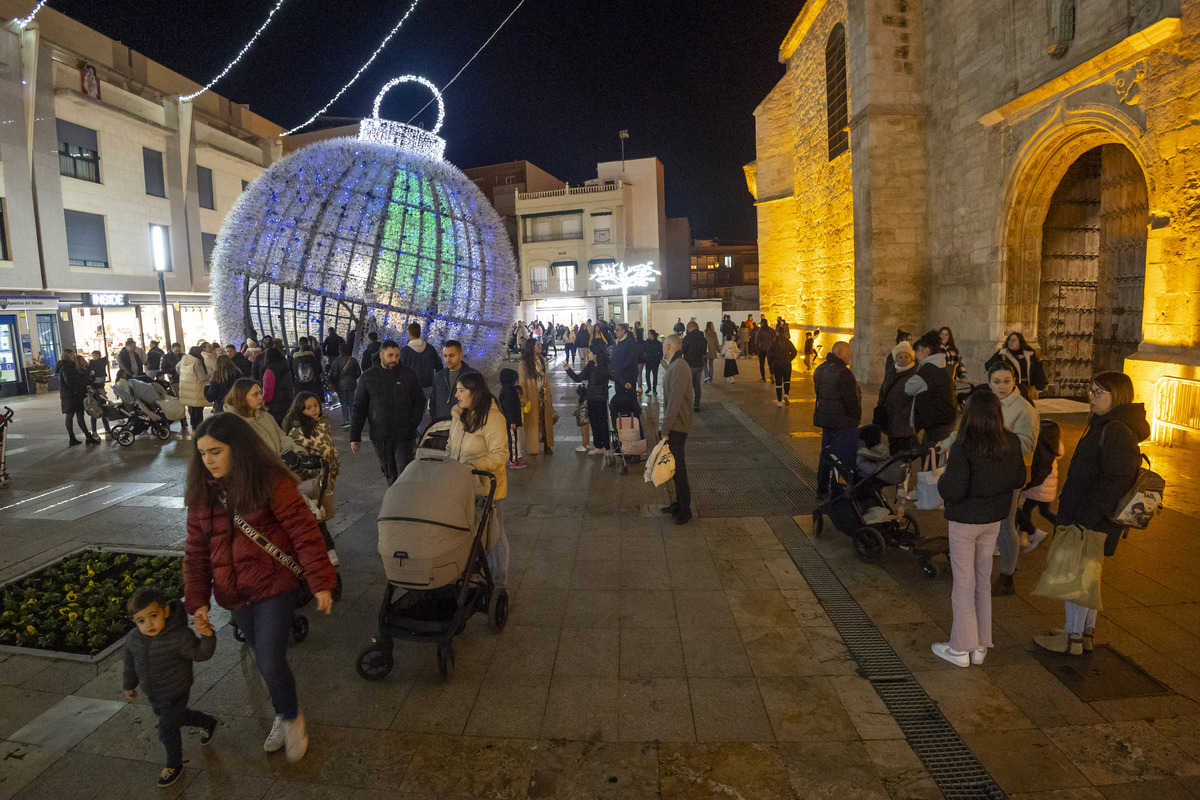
column 358, row 74
column 22, row 23
column 237, row 58
column 472, row 58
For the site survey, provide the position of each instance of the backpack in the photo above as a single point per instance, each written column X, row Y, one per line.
column 304, row 371
column 1143, row 500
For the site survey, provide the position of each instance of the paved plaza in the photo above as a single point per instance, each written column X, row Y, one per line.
column 735, row 657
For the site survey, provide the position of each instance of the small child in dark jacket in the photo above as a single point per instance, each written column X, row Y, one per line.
column 510, row 404
column 159, row 656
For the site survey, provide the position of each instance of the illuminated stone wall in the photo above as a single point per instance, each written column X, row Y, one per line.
column 805, row 202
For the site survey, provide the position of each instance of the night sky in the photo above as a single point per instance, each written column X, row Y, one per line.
column 554, row 87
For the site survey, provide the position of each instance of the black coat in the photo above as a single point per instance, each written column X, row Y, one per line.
column 308, row 361
column 332, row 346
column 154, row 358
column 131, row 362
column 1028, row 366
column 162, row 664
column 896, row 404
column 242, row 363
column 284, row 391
column 344, row 373
column 391, row 400
column 1103, row 468
column 99, row 368
column 443, row 398
column 625, row 361
column 934, row 407
column 170, row 364
column 980, row 491
column 425, row 363
column 597, row 378
column 653, row 350
column 370, row 356
column 839, row 400
column 72, row 386
column 695, row 348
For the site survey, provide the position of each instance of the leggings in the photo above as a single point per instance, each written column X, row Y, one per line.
column 78, row 415
column 598, row 418
column 196, row 414
column 783, row 385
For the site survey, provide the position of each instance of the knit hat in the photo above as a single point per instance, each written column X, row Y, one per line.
column 904, row 350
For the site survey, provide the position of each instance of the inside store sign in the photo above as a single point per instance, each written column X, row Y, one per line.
column 107, row 299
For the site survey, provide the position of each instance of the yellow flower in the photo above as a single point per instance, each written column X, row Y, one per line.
column 72, row 596
column 6, row 614
column 91, row 572
column 30, row 629
column 62, row 611
column 72, row 615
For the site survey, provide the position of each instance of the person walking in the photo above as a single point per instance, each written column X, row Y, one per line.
column 539, row 422
column 746, row 337
column 236, row 485
column 221, row 382
column 423, row 360
column 478, row 437
column 308, row 427
column 344, row 373
column 193, row 377
column 1102, row 470
column 983, row 471
column 446, row 382
column 331, row 347
column 245, row 399
column 596, row 374
column 764, row 337
column 678, row 407
column 810, row 350
column 306, row 369
column 510, row 405
column 390, row 398
column 1026, row 364
column 583, row 341
column 838, row 414
column 780, row 355
column 277, row 385
column 1021, row 418
column 933, row 411
column 73, row 385
column 695, row 349
column 653, row 348
column 712, row 350
column 730, row 352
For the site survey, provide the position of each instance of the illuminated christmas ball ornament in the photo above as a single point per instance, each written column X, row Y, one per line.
column 367, row 234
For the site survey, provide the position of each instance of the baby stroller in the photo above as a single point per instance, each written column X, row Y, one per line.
column 628, row 439
column 168, row 402
column 138, row 417
column 5, row 419
column 435, row 557
column 863, row 513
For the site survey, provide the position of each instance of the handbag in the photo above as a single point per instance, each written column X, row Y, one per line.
column 1143, row 500
column 274, row 552
column 1073, row 567
column 660, row 466
column 928, row 496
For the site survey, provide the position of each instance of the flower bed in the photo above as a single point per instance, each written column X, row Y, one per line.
column 77, row 605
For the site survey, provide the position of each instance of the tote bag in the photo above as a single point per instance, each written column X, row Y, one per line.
column 660, row 466
column 1073, row 567
column 928, row 497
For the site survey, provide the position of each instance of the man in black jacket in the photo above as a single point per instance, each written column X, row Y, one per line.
column 695, row 348
column 390, row 397
column 624, row 359
column 331, row 348
column 838, row 414
column 154, row 359
column 370, row 356
column 130, row 359
column 446, row 381
column 239, row 360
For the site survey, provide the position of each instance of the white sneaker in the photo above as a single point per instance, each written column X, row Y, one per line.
column 274, row 742
column 943, row 650
column 977, row 656
column 295, row 738
column 583, row 448
column 785, row 399
column 1037, row 538
column 779, row 403
column 595, row 451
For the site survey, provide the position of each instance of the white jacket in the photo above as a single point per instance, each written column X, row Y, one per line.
column 193, row 377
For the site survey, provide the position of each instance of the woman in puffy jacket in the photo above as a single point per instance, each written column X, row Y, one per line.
column 193, row 377
column 245, row 399
column 479, row 437
column 233, row 473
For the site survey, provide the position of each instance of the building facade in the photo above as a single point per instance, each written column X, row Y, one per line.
column 991, row 166
column 107, row 176
column 501, row 183
column 727, row 272
column 565, row 234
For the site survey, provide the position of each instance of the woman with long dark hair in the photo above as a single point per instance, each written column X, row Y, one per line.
column 308, row 427
column 234, row 476
column 1025, row 363
column 278, row 387
column 983, row 471
column 532, row 377
column 221, row 381
column 479, row 437
column 1103, row 468
column 73, row 382
column 597, row 374
column 954, row 365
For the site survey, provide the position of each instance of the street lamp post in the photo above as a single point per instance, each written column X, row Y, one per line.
column 158, row 245
column 619, row 276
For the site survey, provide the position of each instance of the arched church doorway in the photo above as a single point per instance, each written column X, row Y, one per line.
column 1093, row 268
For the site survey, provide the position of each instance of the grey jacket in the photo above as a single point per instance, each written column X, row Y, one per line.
column 679, row 398
column 162, row 664
column 443, row 399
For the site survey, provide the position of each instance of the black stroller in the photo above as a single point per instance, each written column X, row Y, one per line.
column 628, row 444
column 435, row 557
column 864, row 514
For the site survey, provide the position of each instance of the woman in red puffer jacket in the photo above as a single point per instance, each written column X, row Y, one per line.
column 233, row 471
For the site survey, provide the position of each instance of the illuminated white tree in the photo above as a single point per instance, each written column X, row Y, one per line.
column 619, row 276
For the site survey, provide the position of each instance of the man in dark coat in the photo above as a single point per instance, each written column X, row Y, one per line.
column 332, row 346
column 154, row 359
column 390, row 398
column 422, row 359
column 624, row 358
column 728, row 328
column 130, row 359
column 370, row 356
column 838, row 414
column 695, row 348
column 239, row 360
column 446, row 381
column 764, row 337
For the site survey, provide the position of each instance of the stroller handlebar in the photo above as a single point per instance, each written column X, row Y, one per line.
column 491, row 477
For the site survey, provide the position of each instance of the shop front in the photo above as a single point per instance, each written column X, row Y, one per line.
column 29, row 333
column 104, row 321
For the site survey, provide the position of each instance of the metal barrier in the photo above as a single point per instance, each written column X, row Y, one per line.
column 1176, row 408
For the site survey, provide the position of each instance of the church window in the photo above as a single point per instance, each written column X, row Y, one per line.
column 837, row 110
column 1062, row 27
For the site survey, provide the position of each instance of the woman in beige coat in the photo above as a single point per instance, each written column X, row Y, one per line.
column 479, row 437
column 538, row 422
column 193, row 377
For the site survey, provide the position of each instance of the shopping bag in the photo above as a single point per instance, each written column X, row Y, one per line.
column 660, row 466
column 928, row 497
column 1073, row 567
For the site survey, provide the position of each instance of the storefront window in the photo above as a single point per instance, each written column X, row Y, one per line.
column 199, row 322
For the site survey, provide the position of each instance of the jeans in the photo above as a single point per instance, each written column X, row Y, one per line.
column 708, row 368
column 1079, row 618
column 677, row 441
column 841, row 443
column 267, row 626
column 652, row 376
column 697, row 373
column 196, row 415
column 762, row 365
column 346, row 400
column 597, row 411
column 971, row 549
column 172, row 715
column 394, row 456
column 1009, row 543
column 570, row 350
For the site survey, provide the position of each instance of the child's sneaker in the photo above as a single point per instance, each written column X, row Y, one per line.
column 518, row 464
column 207, row 734
column 274, row 742
column 295, row 737
column 169, row 776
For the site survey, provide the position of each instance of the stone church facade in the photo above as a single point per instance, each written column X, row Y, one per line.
column 1029, row 165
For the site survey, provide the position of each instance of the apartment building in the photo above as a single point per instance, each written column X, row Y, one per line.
column 106, row 177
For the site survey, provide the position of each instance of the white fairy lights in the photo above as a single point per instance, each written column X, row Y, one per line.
column 619, row 276
column 22, row 23
column 237, row 58
column 407, row 137
column 361, row 70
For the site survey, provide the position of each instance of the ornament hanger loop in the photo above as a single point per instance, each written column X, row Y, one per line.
column 414, row 79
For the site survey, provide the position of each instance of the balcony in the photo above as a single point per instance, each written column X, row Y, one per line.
column 571, row 190
column 553, row 237
column 539, row 287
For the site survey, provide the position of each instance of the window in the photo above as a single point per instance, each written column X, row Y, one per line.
column 565, row 272
column 87, row 245
column 837, row 107
column 572, row 228
column 160, row 248
column 553, row 227
column 539, row 281
column 510, row 180
column 78, row 152
column 602, row 227
column 207, row 242
column 4, row 254
column 204, row 186
column 728, row 262
column 1062, row 27
column 152, row 164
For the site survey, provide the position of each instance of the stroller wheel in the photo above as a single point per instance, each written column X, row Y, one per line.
column 5, row 481
column 445, row 660
column 299, row 628
column 929, row 568
column 498, row 609
column 374, row 663
column 162, row 432
column 336, row 594
column 868, row 545
column 818, row 524
column 123, row 435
